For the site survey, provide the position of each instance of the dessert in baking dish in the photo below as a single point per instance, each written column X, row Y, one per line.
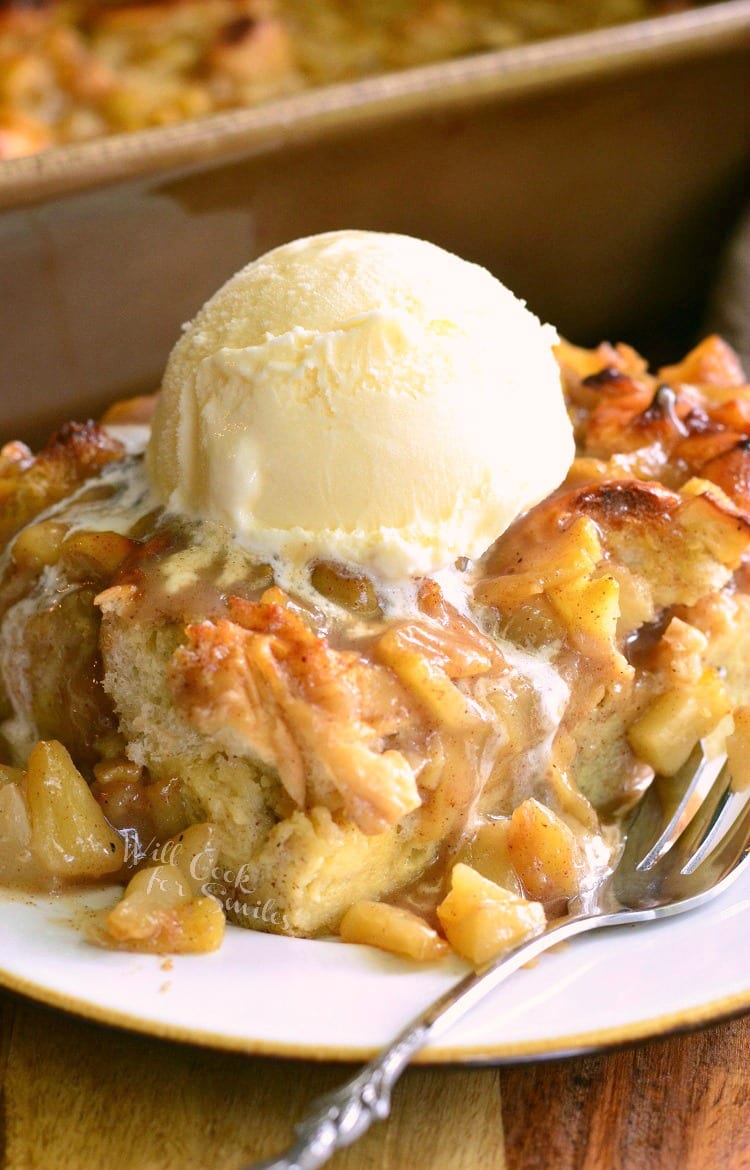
column 72, row 70
column 348, row 637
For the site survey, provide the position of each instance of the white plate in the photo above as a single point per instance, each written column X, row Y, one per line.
column 325, row 999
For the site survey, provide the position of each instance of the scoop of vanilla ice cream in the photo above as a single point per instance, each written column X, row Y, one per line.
column 362, row 397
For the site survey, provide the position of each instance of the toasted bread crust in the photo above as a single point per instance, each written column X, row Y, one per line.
column 30, row 484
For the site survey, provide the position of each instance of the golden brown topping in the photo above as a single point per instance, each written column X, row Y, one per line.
column 77, row 452
column 731, row 471
column 688, row 417
column 672, row 547
column 712, row 363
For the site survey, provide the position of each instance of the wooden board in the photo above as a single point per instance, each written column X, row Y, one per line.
column 75, row 1096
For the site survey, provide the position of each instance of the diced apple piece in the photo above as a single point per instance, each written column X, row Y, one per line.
column 102, row 552
column 571, row 554
column 10, row 775
column 117, row 770
column 18, row 866
column 489, row 855
column 69, row 833
column 509, row 590
column 481, row 919
column 544, row 852
column 738, row 750
column 159, row 914
column 130, row 410
column 38, row 545
column 635, row 602
column 590, row 610
column 681, row 651
column 353, row 591
column 196, row 851
column 562, row 785
column 392, row 929
column 575, row 550
column 15, row 827
column 669, row 730
column 167, row 805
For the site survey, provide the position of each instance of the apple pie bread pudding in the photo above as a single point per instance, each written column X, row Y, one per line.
column 346, row 637
column 72, row 70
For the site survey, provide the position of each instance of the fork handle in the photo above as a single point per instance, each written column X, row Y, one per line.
column 337, row 1119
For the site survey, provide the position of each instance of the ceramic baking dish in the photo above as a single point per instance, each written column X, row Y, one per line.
column 597, row 175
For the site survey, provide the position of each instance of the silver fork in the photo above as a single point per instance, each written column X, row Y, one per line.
column 687, row 840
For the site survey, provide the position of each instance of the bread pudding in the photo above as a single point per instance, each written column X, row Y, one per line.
column 306, row 743
column 71, row 70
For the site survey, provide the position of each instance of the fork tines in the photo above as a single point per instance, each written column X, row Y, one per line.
column 705, row 813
